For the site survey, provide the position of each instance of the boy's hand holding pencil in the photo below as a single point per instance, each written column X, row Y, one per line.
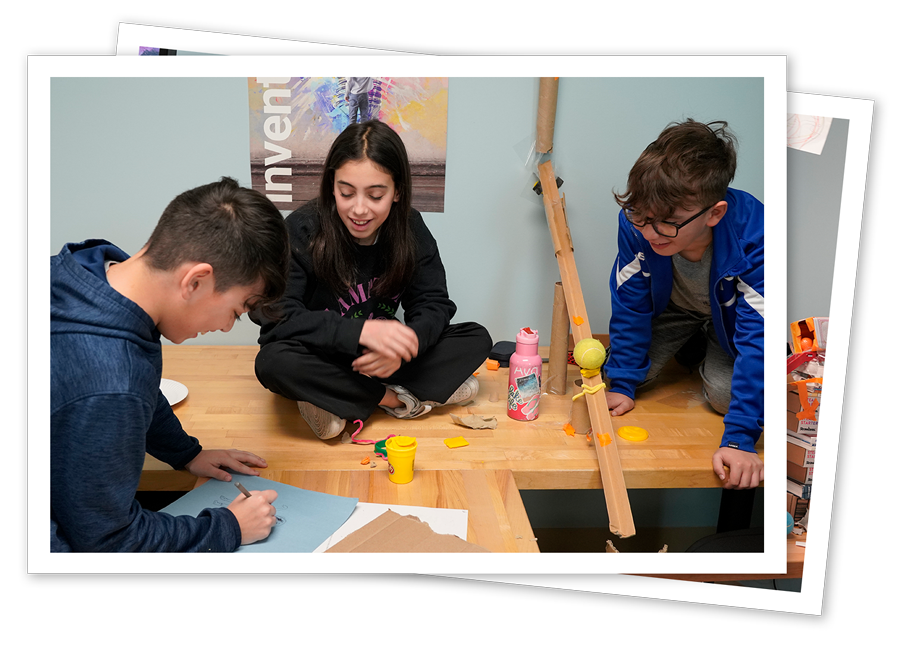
column 254, row 512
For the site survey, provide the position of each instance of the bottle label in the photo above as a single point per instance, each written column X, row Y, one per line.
column 524, row 396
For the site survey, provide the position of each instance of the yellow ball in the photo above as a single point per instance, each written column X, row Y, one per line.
column 589, row 353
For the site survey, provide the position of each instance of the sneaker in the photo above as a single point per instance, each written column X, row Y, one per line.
column 412, row 406
column 323, row 423
column 466, row 391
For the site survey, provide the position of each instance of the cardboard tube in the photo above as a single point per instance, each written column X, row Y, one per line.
column 557, row 367
column 546, row 117
column 580, row 417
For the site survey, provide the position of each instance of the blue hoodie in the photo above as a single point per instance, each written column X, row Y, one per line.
column 106, row 412
column 641, row 285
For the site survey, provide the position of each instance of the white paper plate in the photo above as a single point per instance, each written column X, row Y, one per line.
column 174, row 391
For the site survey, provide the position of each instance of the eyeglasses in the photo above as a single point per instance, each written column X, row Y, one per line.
column 665, row 229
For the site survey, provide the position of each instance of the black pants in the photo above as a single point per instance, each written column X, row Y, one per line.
column 298, row 372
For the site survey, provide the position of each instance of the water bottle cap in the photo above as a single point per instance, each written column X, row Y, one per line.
column 527, row 336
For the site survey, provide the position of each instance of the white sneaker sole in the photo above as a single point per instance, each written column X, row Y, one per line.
column 324, row 424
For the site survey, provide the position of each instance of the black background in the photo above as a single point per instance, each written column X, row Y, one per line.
column 851, row 60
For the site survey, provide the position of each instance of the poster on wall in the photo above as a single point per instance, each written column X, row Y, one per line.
column 294, row 120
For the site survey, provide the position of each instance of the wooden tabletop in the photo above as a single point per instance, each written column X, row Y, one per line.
column 226, row 407
column 497, row 519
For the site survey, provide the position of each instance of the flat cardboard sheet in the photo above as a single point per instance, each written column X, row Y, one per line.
column 444, row 521
column 392, row 533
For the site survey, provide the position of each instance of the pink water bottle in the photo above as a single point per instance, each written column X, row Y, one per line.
column 524, row 377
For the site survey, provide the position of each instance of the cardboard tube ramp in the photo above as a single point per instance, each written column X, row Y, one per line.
column 580, row 417
column 546, row 117
column 557, row 367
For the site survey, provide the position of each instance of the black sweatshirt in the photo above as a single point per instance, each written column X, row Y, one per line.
column 332, row 323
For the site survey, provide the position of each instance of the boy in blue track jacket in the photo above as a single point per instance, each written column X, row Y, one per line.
column 690, row 262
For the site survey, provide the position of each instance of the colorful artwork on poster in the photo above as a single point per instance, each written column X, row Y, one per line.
column 293, row 122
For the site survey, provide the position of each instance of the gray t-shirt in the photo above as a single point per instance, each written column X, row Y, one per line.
column 690, row 283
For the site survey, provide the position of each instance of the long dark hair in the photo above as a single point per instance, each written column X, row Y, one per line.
column 237, row 230
column 332, row 248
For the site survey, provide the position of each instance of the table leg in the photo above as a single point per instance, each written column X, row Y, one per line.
column 735, row 510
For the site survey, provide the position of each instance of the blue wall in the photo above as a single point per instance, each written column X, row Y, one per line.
column 122, row 148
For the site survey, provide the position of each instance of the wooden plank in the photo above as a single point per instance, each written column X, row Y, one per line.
column 618, row 507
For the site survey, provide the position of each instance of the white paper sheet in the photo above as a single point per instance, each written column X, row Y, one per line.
column 807, row 132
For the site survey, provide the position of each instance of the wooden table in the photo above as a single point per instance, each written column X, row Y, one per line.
column 497, row 518
column 228, row 408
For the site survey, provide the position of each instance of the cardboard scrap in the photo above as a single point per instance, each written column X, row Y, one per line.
column 393, row 533
column 474, row 421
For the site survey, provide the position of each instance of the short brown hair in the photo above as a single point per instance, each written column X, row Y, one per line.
column 238, row 231
column 688, row 162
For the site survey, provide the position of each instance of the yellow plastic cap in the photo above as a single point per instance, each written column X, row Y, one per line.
column 634, row 434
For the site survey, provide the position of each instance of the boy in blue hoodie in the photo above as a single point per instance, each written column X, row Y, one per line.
column 217, row 251
column 690, row 264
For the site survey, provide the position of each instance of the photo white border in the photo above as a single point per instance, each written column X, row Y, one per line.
column 42, row 69
column 132, row 37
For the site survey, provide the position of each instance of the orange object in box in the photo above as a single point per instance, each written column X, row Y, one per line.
column 809, row 334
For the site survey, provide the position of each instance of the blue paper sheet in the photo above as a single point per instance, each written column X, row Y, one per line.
column 305, row 518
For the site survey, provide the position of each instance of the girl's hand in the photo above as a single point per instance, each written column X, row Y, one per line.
column 389, row 338
column 375, row 364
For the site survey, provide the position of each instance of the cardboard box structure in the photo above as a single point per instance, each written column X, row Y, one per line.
column 393, row 533
column 814, row 329
column 803, row 400
column 800, row 452
column 804, row 393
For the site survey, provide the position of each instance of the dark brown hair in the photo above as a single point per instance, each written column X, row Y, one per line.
column 332, row 248
column 688, row 162
column 238, row 231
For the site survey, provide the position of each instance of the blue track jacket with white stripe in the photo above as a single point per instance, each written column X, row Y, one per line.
column 641, row 285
